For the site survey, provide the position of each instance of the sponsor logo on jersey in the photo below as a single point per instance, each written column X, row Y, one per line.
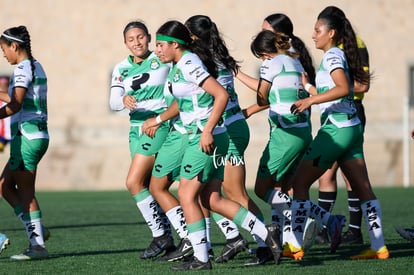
column 138, row 80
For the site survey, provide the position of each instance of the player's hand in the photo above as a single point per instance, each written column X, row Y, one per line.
column 207, row 143
column 129, row 102
column 150, row 126
column 301, row 105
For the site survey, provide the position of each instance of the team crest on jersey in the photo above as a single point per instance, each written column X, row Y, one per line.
column 177, row 76
column 155, row 64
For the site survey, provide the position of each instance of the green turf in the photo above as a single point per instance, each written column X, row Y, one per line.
column 103, row 233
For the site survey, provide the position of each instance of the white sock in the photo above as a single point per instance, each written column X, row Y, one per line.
column 300, row 213
column 176, row 217
column 227, row 227
column 287, row 233
column 276, row 217
column 198, row 238
column 279, row 200
column 165, row 221
column 150, row 212
column 34, row 230
column 318, row 213
column 251, row 223
column 373, row 216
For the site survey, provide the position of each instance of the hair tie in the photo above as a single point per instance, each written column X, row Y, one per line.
column 12, row 38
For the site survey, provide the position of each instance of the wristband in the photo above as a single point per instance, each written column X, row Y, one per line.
column 307, row 87
column 158, row 119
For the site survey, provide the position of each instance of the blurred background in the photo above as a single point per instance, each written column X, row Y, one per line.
column 79, row 42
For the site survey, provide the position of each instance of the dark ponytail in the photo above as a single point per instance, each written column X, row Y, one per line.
column 208, row 37
column 345, row 35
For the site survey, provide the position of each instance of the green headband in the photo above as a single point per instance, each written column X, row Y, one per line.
column 167, row 38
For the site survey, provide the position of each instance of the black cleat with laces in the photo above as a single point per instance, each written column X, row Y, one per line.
column 183, row 250
column 232, row 248
column 193, row 264
column 158, row 245
column 262, row 256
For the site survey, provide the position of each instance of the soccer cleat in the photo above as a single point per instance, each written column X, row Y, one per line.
column 406, row 233
column 158, row 245
column 381, row 254
column 352, row 237
column 36, row 252
column 293, row 252
column 273, row 241
column 184, row 249
column 263, row 255
column 312, row 228
column 336, row 222
column 193, row 264
column 232, row 248
column 4, row 242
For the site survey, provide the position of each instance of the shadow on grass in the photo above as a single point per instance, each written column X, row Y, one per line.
column 93, row 253
column 396, row 248
column 71, row 226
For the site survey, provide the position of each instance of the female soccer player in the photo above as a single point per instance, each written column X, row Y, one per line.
column 200, row 101
column 137, row 85
column 279, row 85
column 328, row 182
column 340, row 137
column 206, row 35
column 30, row 139
column 166, row 170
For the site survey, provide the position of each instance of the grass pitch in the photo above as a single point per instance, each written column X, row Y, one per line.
column 103, row 233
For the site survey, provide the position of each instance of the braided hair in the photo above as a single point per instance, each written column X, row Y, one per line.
column 20, row 35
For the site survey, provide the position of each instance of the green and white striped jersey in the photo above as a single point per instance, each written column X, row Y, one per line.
column 145, row 82
column 32, row 118
column 184, row 82
column 284, row 72
column 342, row 111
